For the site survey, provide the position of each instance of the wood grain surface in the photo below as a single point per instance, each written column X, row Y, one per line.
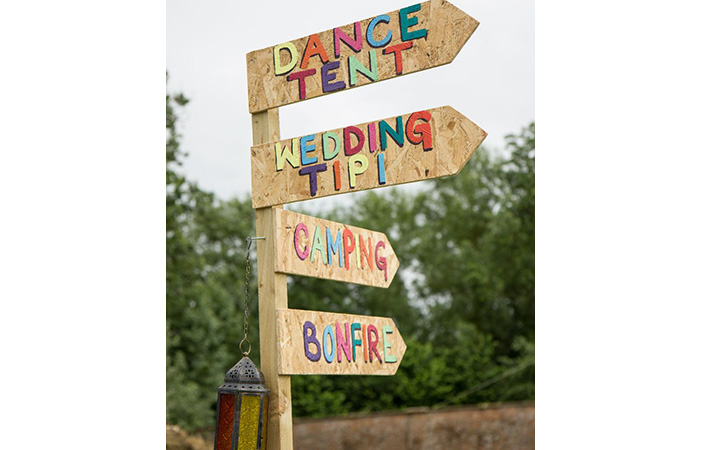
column 454, row 140
column 293, row 324
column 447, row 30
column 272, row 294
column 371, row 258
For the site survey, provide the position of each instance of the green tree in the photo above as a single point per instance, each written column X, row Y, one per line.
column 463, row 298
column 474, row 237
column 205, row 254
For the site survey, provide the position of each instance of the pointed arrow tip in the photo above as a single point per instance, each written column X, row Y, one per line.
column 467, row 136
column 456, row 28
column 393, row 264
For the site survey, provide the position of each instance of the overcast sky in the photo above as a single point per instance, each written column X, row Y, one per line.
column 491, row 81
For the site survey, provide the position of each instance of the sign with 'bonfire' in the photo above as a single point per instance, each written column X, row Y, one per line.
column 314, row 342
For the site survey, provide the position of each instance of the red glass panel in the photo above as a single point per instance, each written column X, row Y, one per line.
column 225, row 421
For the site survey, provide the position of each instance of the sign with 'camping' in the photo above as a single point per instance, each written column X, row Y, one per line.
column 324, row 249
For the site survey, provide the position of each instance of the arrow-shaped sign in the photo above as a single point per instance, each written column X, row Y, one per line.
column 413, row 147
column 324, row 249
column 411, row 39
column 313, row 342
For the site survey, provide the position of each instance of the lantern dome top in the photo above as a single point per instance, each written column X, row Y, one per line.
column 244, row 376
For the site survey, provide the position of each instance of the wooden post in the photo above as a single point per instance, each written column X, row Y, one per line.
column 272, row 295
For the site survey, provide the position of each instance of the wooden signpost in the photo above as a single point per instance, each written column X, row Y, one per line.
column 412, row 147
column 334, row 251
column 421, row 145
column 409, row 40
column 312, row 342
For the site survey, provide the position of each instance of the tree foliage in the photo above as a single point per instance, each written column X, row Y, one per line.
column 463, row 298
column 205, row 255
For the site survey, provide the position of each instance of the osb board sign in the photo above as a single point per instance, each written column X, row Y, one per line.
column 413, row 147
column 408, row 40
column 324, row 249
column 314, row 342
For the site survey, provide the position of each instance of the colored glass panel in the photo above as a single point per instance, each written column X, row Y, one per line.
column 225, row 422
column 264, row 428
column 248, row 422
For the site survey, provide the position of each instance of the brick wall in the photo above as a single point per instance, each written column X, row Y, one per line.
column 497, row 427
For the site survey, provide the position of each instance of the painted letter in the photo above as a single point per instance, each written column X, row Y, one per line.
column 371, row 137
column 348, row 148
column 314, row 47
column 329, row 154
column 334, row 246
column 371, row 27
column 355, row 326
column 380, row 260
column 406, row 22
column 356, row 44
column 300, row 77
column 296, row 241
column 355, row 67
column 386, row 345
column 328, row 357
column 424, row 129
column 381, row 168
column 343, row 344
column 397, row 51
column 358, row 252
column 305, row 148
column 282, row 70
column 282, row 155
column 337, row 175
column 355, row 170
column 366, row 253
column 312, row 172
column 349, row 245
column 396, row 134
column 328, row 76
column 310, row 334
column 317, row 245
column 373, row 343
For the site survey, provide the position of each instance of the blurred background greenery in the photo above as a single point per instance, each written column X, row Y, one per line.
column 463, row 298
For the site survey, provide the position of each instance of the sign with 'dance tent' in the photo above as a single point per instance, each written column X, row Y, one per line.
column 408, row 40
column 314, row 342
column 324, row 249
column 413, row 147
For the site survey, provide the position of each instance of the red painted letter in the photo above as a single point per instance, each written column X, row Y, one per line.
column 421, row 132
column 300, row 77
column 397, row 51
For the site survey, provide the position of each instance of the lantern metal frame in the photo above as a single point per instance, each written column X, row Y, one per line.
column 244, row 379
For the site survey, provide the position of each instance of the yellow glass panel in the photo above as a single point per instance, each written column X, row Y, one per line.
column 264, row 430
column 248, row 422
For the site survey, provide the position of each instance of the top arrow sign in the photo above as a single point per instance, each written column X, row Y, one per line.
column 411, row 39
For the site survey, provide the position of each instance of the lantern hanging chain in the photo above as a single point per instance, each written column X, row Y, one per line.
column 246, row 297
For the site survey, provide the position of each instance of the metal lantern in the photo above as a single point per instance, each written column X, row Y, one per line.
column 242, row 409
column 242, row 401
